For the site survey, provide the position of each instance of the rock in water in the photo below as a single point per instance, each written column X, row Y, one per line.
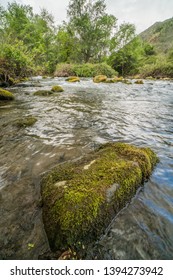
column 43, row 92
column 81, row 198
column 57, row 89
column 73, row 79
column 99, row 79
column 6, row 95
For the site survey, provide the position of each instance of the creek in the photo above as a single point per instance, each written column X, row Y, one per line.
column 69, row 125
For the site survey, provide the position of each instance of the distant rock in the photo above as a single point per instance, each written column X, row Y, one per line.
column 139, row 82
column 43, row 92
column 57, row 89
column 73, row 79
column 99, row 78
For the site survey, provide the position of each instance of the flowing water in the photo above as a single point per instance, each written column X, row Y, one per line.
column 71, row 124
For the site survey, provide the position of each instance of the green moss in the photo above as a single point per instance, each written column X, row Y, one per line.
column 73, row 79
column 43, row 92
column 99, row 78
column 109, row 81
column 27, row 121
column 127, row 82
column 81, row 198
column 5, row 95
column 57, row 89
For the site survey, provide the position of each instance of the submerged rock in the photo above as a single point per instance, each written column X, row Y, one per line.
column 27, row 121
column 139, row 82
column 43, row 92
column 126, row 81
column 57, row 89
column 6, row 95
column 73, row 79
column 81, row 198
column 99, row 79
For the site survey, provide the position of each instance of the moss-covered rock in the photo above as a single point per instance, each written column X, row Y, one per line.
column 118, row 79
column 43, row 92
column 73, row 79
column 6, row 95
column 99, row 79
column 109, row 81
column 81, row 198
column 139, row 82
column 24, row 122
column 57, row 89
column 126, row 81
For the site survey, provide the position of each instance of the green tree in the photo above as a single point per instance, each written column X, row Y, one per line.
column 92, row 26
column 126, row 50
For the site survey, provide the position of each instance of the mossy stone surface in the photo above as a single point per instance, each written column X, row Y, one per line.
column 6, row 95
column 81, row 198
column 139, row 82
column 43, row 92
column 99, row 79
column 27, row 121
column 73, row 79
column 57, row 89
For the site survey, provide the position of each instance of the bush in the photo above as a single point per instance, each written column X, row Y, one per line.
column 158, row 70
column 84, row 70
column 64, row 70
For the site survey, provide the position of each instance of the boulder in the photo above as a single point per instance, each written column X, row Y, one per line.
column 109, row 81
column 43, row 92
column 80, row 198
column 118, row 79
column 99, row 79
column 24, row 122
column 6, row 95
column 126, row 81
column 57, row 89
column 139, row 82
column 73, row 79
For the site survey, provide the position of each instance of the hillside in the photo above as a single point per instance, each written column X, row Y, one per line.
column 160, row 35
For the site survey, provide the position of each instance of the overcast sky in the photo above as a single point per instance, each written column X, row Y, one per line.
column 142, row 13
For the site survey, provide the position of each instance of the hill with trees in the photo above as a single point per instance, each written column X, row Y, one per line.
column 160, row 35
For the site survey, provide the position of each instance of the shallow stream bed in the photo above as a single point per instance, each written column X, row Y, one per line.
column 69, row 125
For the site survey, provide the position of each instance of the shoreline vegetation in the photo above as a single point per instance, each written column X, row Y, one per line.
column 94, row 44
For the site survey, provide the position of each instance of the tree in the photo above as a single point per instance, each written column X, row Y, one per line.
column 126, row 50
column 92, row 26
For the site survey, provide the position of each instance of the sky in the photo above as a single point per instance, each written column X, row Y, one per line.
column 142, row 13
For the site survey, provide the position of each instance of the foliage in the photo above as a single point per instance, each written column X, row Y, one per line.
column 128, row 58
column 160, row 69
column 31, row 43
column 92, row 26
column 20, row 60
column 84, row 70
column 159, row 35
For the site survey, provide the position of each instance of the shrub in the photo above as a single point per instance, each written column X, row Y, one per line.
column 158, row 70
column 84, row 70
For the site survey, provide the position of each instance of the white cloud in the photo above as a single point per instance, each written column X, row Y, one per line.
column 142, row 13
